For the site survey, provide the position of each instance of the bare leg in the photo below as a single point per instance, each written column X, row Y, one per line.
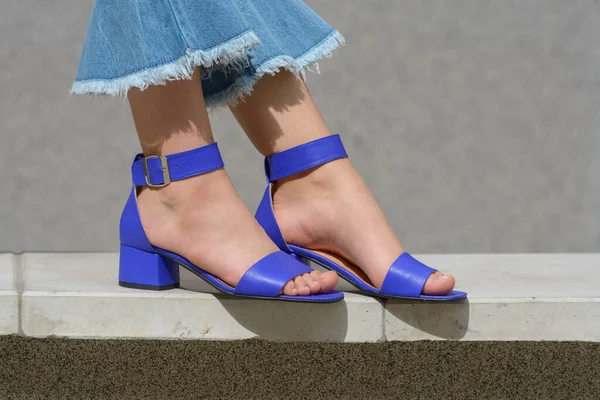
column 328, row 208
column 201, row 218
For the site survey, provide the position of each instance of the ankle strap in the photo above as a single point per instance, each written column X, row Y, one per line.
column 159, row 171
column 303, row 157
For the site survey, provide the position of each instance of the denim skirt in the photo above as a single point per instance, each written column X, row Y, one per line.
column 138, row 43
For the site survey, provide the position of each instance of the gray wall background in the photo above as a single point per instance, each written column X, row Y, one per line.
column 476, row 123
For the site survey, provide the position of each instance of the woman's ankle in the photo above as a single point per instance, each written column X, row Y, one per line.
column 179, row 192
column 329, row 177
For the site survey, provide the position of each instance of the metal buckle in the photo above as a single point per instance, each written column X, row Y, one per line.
column 164, row 168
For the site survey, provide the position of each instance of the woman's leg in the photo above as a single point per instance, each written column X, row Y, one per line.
column 201, row 218
column 328, row 208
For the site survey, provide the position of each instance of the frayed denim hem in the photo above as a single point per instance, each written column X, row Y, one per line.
column 244, row 85
column 231, row 53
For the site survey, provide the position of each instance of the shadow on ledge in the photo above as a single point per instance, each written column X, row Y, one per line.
column 277, row 320
column 445, row 320
column 287, row 321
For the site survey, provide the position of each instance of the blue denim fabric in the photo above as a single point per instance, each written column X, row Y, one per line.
column 137, row 43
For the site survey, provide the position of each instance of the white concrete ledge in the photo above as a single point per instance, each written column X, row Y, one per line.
column 496, row 319
column 9, row 299
column 76, row 295
column 511, row 297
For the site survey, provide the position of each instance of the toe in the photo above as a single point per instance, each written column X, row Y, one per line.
column 328, row 280
column 313, row 284
column 438, row 284
column 301, row 286
column 290, row 289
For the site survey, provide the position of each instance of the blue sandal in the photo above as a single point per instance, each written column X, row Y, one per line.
column 144, row 266
column 405, row 278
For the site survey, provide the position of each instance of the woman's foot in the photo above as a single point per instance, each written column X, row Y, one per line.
column 200, row 218
column 331, row 209
column 203, row 219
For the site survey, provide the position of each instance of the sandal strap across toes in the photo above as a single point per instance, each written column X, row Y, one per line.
column 144, row 266
column 405, row 277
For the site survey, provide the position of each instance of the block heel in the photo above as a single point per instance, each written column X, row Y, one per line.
column 142, row 270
